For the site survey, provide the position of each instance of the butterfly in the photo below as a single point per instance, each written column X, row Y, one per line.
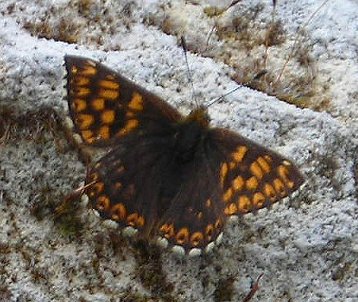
column 167, row 177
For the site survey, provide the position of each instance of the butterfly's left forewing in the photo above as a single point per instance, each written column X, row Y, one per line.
column 107, row 107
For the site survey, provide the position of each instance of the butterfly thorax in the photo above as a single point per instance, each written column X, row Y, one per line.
column 199, row 115
column 190, row 134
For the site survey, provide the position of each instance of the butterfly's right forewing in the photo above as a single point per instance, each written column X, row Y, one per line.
column 252, row 177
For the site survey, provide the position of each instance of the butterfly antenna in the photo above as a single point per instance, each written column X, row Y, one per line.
column 190, row 78
column 256, row 77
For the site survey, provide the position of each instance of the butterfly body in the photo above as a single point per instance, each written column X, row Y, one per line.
column 168, row 176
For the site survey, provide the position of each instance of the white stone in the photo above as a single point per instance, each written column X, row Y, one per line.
column 194, row 252
column 162, row 242
column 178, row 250
column 129, row 231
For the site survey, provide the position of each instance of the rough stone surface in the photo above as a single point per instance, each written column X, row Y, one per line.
column 306, row 247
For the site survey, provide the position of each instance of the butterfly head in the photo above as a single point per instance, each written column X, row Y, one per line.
column 199, row 115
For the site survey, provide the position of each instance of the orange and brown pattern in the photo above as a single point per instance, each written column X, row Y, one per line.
column 168, row 176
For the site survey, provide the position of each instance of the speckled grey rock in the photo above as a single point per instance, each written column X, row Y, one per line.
column 306, row 247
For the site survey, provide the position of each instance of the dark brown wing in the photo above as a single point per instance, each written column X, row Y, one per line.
column 251, row 176
column 125, row 184
column 231, row 175
column 106, row 106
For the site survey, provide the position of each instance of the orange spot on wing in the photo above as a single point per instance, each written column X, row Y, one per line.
column 239, row 154
column 130, row 125
column 264, row 164
column 228, row 195
column 103, row 132
column 87, row 135
column 218, row 223
column 283, row 173
column 258, row 200
column 168, row 230
column 109, row 94
column 89, row 69
column 238, row 183
column 98, row 104
column 82, row 81
column 231, row 209
column 79, row 105
column 252, row 183
column 136, row 102
column 196, row 238
column 130, row 114
column 132, row 219
column 96, row 188
column 103, row 203
column 268, row 159
column 209, row 231
column 84, row 120
column 279, row 187
column 93, row 177
column 82, row 91
column 140, row 221
column 109, row 84
column 232, row 165
column 270, row 192
column 223, row 173
column 244, row 204
column 118, row 212
column 256, row 170
column 182, row 236
column 108, row 116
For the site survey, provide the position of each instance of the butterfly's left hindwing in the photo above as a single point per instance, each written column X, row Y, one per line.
column 107, row 107
column 141, row 186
